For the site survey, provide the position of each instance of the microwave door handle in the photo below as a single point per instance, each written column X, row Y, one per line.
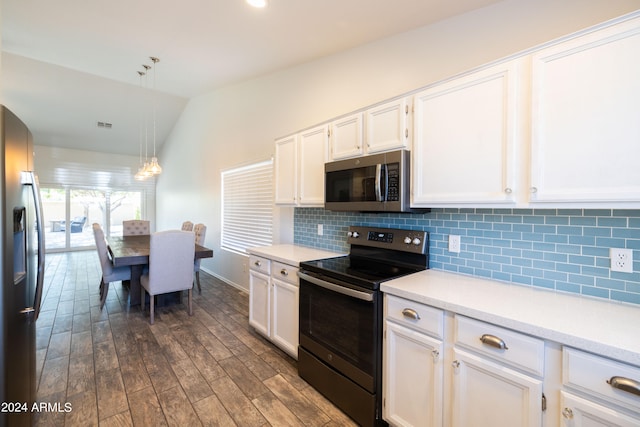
column 379, row 196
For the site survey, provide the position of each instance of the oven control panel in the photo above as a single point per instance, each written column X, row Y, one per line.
column 401, row 240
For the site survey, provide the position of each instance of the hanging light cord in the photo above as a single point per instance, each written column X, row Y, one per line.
column 155, row 61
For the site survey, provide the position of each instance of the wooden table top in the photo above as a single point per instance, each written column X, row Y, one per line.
column 134, row 250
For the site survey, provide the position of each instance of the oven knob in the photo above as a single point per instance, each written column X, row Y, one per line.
column 407, row 240
column 349, row 234
column 355, row 234
column 416, row 241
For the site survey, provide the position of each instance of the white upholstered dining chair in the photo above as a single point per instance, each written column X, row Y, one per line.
column 187, row 226
column 135, row 227
column 171, row 255
column 109, row 272
column 200, row 230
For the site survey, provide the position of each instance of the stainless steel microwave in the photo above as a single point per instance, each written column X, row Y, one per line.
column 374, row 183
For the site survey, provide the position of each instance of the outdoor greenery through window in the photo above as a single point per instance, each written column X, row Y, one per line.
column 70, row 212
column 247, row 206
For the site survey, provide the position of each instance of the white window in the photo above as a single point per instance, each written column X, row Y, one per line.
column 247, row 206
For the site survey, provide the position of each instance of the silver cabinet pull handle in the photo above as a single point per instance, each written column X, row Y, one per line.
column 508, row 190
column 257, row 263
column 435, row 354
column 494, row 341
column 567, row 413
column 625, row 384
column 411, row 313
column 284, row 272
column 455, row 364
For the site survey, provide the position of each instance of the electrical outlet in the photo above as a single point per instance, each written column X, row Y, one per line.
column 454, row 243
column 621, row 260
column 320, row 229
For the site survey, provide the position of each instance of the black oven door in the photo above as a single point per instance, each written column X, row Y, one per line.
column 340, row 325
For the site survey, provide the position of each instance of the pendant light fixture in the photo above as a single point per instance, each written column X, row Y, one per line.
column 140, row 175
column 145, row 169
column 154, row 166
column 151, row 167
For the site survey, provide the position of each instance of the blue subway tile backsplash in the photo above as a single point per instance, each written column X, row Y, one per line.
column 565, row 250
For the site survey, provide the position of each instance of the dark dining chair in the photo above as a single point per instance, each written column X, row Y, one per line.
column 171, row 255
column 77, row 224
column 109, row 272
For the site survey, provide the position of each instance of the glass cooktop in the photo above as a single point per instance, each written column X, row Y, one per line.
column 361, row 269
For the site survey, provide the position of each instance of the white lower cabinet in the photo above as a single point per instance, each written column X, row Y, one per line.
column 273, row 302
column 413, row 384
column 413, row 364
column 577, row 412
column 260, row 302
column 598, row 391
column 496, row 376
column 444, row 369
column 485, row 393
column 284, row 323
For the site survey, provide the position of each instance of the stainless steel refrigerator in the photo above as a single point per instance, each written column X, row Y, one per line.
column 22, row 252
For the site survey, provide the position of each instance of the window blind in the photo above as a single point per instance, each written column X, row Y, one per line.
column 247, row 207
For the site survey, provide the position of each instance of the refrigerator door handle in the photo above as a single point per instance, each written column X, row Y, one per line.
column 30, row 178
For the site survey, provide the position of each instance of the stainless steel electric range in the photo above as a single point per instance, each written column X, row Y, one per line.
column 340, row 351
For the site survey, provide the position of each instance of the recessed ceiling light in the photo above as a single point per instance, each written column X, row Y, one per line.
column 258, row 3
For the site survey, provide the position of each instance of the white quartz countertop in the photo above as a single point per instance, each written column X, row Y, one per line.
column 292, row 254
column 606, row 328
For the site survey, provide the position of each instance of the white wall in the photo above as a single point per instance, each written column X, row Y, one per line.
column 238, row 124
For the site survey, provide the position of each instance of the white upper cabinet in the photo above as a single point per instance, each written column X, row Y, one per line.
column 465, row 138
column 380, row 128
column 586, row 118
column 286, row 170
column 346, row 137
column 299, row 169
column 387, row 126
column 313, row 154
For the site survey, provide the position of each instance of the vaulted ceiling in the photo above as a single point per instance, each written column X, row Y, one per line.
column 69, row 64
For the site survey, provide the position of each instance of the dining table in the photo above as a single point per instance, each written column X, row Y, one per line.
column 133, row 251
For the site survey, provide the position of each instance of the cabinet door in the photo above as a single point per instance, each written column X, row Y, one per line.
column 284, row 331
column 486, row 394
column 286, row 171
column 586, row 118
column 259, row 302
column 578, row 412
column 412, row 380
column 346, row 137
column 465, row 133
column 314, row 153
column 387, row 126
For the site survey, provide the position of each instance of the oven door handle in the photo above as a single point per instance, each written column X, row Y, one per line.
column 364, row 296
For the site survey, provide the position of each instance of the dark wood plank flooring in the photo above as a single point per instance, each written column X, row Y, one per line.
column 115, row 369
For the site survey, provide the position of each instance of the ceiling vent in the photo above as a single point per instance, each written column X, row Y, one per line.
column 105, row 125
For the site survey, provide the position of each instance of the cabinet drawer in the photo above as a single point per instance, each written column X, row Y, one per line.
column 414, row 315
column 509, row 347
column 598, row 376
column 260, row 264
column 285, row 272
